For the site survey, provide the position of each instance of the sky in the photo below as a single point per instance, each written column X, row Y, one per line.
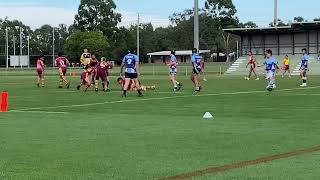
column 35, row 13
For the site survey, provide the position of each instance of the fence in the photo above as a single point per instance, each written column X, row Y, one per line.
column 146, row 69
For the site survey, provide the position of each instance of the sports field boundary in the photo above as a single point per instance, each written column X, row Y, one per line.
column 242, row 164
column 163, row 98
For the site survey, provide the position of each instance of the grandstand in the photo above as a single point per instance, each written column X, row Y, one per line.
column 281, row 40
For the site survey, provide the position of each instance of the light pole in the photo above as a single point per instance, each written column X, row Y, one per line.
column 275, row 13
column 14, row 45
column 28, row 39
column 20, row 42
column 20, row 35
column 7, row 47
column 196, row 24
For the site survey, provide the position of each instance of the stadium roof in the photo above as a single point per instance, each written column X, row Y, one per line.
column 178, row 53
column 293, row 27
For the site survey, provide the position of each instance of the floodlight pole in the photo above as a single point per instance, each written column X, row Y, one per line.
column 196, row 24
column 138, row 37
column 28, row 39
column 20, row 30
column 14, row 45
column 7, row 48
column 275, row 22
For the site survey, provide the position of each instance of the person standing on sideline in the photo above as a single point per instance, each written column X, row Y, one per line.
column 173, row 71
column 132, row 71
column 196, row 65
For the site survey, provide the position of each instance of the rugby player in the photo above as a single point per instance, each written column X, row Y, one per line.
column 85, row 58
column 203, row 69
column 132, row 72
column 62, row 64
column 304, row 68
column 253, row 64
column 271, row 67
column 196, row 65
column 173, row 71
column 93, row 64
column 85, row 78
column 103, row 74
column 286, row 66
column 40, row 70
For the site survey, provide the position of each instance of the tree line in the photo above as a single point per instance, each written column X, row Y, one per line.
column 96, row 27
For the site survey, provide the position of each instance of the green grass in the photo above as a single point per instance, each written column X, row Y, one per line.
column 147, row 139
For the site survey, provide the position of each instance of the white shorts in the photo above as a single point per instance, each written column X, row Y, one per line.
column 270, row 74
column 173, row 72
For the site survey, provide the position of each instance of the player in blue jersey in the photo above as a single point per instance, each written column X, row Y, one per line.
column 271, row 67
column 304, row 68
column 132, row 72
column 173, row 71
column 196, row 65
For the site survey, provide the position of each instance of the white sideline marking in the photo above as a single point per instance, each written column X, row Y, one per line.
column 163, row 98
column 38, row 112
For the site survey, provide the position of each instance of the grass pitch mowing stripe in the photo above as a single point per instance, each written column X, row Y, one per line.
column 242, row 164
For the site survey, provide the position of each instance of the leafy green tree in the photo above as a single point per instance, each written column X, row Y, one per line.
column 316, row 19
column 280, row 23
column 298, row 19
column 14, row 32
column 123, row 41
column 97, row 15
column 220, row 8
column 248, row 24
column 94, row 41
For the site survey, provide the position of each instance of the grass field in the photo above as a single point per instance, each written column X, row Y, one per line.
column 57, row 134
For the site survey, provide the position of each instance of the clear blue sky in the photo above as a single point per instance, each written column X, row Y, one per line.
column 156, row 11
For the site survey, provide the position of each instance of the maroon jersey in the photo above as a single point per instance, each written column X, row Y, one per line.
column 85, row 75
column 102, row 67
column 94, row 63
column 62, row 62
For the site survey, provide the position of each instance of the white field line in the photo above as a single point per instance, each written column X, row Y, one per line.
column 37, row 112
column 163, row 98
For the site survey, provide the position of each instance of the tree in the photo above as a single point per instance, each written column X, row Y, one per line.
column 43, row 39
column 220, row 8
column 94, row 41
column 280, row 23
column 316, row 19
column 298, row 19
column 97, row 15
column 223, row 13
column 123, row 41
column 248, row 24
column 14, row 32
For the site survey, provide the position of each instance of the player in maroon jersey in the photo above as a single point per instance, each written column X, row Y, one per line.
column 62, row 64
column 94, row 63
column 85, row 78
column 103, row 74
column 40, row 71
